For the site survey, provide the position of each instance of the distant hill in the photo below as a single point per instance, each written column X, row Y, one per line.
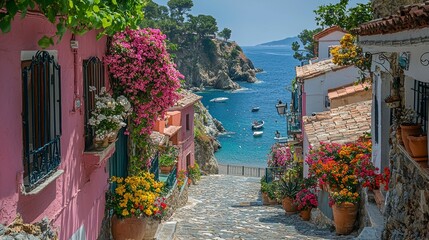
column 286, row 41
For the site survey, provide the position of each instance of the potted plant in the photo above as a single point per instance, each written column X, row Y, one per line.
column 406, row 121
column 194, row 173
column 108, row 117
column 137, row 206
column 268, row 192
column 288, row 186
column 168, row 159
column 306, row 199
column 344, row 205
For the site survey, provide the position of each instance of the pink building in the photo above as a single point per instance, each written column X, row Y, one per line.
column 179, row 127
column 46, row 170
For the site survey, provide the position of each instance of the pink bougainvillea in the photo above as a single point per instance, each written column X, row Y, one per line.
column 280, row 156
column 143, row 70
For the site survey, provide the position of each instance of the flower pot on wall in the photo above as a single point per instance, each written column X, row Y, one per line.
column 418, row 146
column 344, row 217
column 409, row 130
column 166, row 169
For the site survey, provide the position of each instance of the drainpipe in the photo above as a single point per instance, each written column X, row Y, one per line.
column 74, row 45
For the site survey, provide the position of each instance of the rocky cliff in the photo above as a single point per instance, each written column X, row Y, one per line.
column 206, row 129
column 214, row 63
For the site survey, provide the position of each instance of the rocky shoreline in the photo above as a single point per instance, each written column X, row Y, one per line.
column 219, row 66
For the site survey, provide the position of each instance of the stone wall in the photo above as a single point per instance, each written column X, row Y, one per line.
column 20, row 230
column 407, row 211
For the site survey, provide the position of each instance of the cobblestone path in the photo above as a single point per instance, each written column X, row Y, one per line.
column 217, row 209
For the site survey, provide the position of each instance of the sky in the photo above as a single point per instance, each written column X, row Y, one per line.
column 258, row 21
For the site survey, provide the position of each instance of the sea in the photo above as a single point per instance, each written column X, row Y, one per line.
column 239, row 146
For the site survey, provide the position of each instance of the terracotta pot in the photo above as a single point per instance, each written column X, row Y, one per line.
column 134, row 228
column 418, row 146
column 288, row 205
column 305, row 214
column 265, row 198
column 100, row 144
column 409, row 130
column 344, row 217
column 272, row 201
column 166, row 169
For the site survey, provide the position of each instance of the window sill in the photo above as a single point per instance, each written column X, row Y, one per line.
column 44, row 184
column 421, row 166
column 96, row 159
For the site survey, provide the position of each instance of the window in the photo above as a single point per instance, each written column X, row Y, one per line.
column 421, row 95
column 41, row 117
column 93, row 76
column 327, row 102
column 188, row 160
column 188, row 127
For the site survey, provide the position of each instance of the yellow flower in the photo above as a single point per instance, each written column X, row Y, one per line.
column 148, row 212
column 125, row 212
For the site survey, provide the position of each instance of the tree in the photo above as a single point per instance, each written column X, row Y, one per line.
column 179, row 7
column 306, row 38
column 78, row 16
column 225, row 34
column 339, row 15
column 203, row 25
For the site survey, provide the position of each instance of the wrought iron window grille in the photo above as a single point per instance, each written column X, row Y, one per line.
column 41, row 118
column 93, row 76
column 421, row 95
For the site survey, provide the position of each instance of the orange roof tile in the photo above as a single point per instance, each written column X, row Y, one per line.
column 347, row 89
column 316, row 69
column 328, row 31
column 339, row 125
column 186, row 98
column 408, row 17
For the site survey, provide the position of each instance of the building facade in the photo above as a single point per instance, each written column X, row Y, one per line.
column 47, row 169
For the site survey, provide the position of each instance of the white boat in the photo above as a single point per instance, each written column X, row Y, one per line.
column 255, row 109
column 257, row 133
column 219, row 99
column 258, row 124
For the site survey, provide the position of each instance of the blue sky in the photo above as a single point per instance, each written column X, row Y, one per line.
column 257, row 21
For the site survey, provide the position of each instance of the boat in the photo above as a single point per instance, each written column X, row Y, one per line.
column 219, row 99
column 255, row 109
column 258, row 124
column 257, row 133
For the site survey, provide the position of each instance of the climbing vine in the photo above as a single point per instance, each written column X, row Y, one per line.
column 79, row 16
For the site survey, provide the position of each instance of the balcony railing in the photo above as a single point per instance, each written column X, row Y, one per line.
column 154, row 166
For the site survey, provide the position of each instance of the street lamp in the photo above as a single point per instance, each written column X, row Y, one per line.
column 281, row 108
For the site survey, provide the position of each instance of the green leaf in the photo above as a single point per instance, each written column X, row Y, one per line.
column 114, row 2
column 5, row 25
column 61, row 29
column 71, row 3
column 105, row 22
column 96, row 8
column 45, row 42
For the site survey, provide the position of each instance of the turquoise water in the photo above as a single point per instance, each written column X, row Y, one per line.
column 239, row 147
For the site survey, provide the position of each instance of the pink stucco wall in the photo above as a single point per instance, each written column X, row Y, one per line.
column 187, row 137
column 73, row 199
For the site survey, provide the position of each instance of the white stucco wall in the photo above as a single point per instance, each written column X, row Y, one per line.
column 316, row 89
column 406, row 41
column 327, row 41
